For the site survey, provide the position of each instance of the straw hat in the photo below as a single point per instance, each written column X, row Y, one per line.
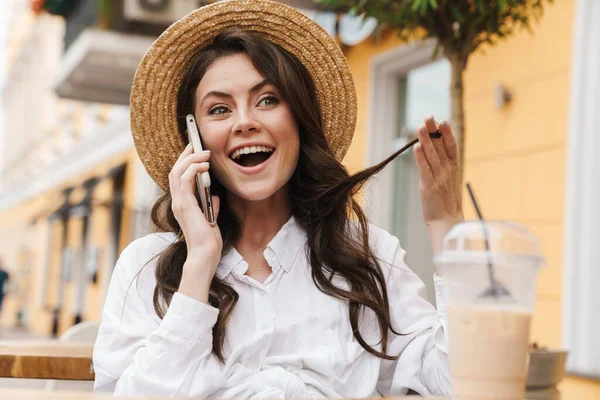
column 160, row 73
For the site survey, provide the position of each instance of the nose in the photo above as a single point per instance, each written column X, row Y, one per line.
column 245, row 123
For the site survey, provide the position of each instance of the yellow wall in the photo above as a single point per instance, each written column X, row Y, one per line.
column 514, row 157
column 15, row 233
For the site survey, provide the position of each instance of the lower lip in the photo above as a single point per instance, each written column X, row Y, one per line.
column 256, row 169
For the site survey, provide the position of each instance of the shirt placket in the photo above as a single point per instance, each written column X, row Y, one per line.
column 265, row 294
column 264, row 314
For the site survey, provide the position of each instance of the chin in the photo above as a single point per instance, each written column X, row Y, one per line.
column 256, row 191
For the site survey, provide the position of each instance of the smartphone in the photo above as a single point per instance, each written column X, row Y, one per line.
column 202, row 179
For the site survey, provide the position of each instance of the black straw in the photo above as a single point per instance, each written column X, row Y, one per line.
column 495, row 288
column 477, row 209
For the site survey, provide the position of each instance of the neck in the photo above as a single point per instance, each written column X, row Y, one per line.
column 261, row 220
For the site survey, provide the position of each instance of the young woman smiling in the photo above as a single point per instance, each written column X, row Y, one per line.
column 292, row 294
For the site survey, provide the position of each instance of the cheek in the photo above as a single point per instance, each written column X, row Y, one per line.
column 295, row 150
column 294, row 143
column 289, row 135
column 214, row 136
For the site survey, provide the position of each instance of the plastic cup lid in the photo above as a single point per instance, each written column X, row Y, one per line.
column 499, row 242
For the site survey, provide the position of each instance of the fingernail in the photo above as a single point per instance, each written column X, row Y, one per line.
column 430, row 118
column 444, row 123
column 423, row 131
column 188, row 146
column 207, row 151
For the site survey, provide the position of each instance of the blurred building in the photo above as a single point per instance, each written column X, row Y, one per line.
column 74, row 193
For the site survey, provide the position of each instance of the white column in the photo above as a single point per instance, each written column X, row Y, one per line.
column 581, row 303
column 146, row 193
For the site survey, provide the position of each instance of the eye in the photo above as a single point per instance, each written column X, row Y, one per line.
column 218, row 110
column 268, row 101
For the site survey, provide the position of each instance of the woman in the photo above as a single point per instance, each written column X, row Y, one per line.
column 292, row 294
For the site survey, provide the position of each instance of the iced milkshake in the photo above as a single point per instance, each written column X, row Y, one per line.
column 488, row 351
column 488, row 328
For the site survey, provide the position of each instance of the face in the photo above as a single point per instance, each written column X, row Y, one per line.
column 248, row 127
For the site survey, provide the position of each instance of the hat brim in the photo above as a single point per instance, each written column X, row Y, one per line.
column 160, row 73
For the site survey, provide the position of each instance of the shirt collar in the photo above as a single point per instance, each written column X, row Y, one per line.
column 281, row 251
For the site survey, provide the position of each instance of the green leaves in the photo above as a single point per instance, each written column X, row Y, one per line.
column 417, row 5
column 423, row 6
column 481, row 6
column 456, row 13
column 460, row 26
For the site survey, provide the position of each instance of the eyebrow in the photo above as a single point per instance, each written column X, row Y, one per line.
column 223, row 95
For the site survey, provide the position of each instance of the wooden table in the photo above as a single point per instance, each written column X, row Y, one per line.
column 49, row 359
column 24, row 394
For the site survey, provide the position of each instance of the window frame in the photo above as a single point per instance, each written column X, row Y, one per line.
column 580, row 302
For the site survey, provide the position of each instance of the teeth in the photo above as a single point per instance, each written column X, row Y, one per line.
column 251, row 149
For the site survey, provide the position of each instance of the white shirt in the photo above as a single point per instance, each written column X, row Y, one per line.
column 285, row 338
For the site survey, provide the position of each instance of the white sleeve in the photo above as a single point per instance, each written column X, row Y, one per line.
column 422, row 365
column 137, row 354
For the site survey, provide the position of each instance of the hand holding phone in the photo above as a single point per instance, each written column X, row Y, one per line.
column 202, row 179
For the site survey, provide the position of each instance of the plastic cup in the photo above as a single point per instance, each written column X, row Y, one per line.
column 489, row 334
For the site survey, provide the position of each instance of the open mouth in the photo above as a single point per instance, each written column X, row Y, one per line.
column 252, row 156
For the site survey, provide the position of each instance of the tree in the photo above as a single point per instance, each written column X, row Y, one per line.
column 460, row 27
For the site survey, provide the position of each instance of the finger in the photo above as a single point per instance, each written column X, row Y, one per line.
column 188, row 179
column 186, row 152
column 430, row 124
column 182, row 165
column 429, row 150
column 424, row 169
column 197, row 157
column 449, row 140
column 438, row 143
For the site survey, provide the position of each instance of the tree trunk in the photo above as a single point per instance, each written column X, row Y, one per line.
column 457, row 111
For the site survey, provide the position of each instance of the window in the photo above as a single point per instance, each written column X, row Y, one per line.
column 424, row 90
column 411, row 85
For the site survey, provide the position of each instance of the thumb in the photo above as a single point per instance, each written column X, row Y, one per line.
column 216, row 202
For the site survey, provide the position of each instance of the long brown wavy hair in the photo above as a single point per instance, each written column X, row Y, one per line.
column 321, row 197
